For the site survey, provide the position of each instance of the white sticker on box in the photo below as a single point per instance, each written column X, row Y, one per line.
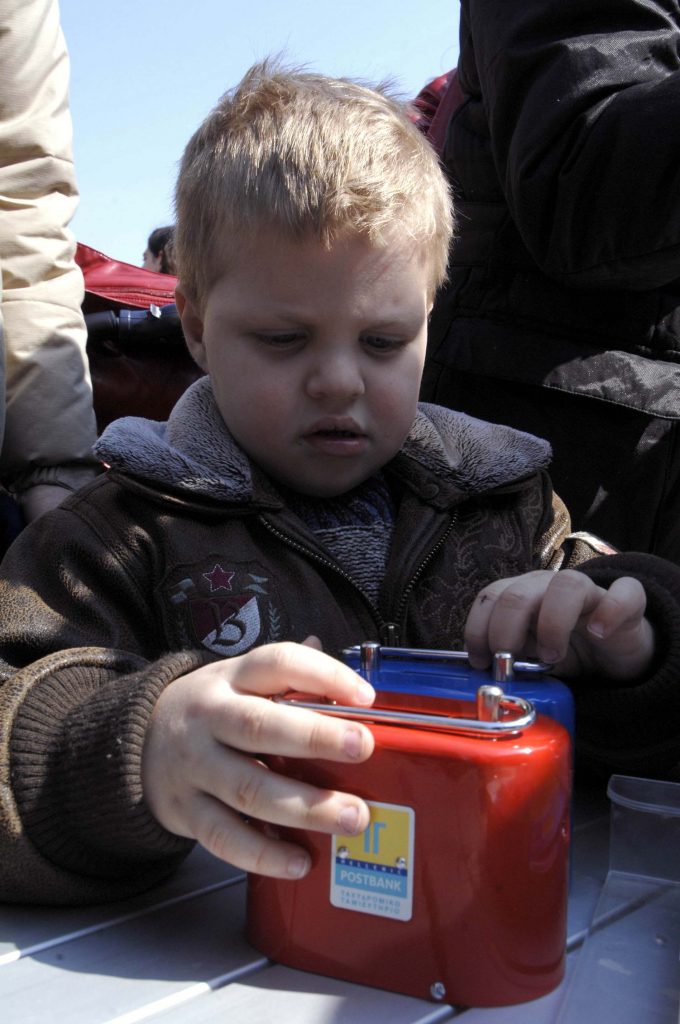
column 373, row 873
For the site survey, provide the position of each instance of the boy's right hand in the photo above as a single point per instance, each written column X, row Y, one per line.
column 200, row 773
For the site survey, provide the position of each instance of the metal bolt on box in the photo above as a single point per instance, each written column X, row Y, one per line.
column 457, row 890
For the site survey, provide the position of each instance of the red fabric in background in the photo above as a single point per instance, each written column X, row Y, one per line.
column 435, row 103
column 112, row 284
column 138, row 372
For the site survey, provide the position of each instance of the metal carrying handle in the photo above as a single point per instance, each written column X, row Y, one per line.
column 491, row 705
column 371, row 655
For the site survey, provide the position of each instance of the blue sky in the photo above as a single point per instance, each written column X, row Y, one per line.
column 144, row 73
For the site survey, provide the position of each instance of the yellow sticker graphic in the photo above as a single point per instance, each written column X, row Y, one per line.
column 373, row 873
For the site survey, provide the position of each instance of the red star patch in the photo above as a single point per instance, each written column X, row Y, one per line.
column 219, row 579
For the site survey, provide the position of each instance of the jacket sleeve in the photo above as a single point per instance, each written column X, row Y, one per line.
column 578, row 98
column 74, row 827
column 634, row 728
column 83, row 665
column 631, row 727
column 49, row 419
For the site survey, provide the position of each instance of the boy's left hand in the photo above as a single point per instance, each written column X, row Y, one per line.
column 565, row 619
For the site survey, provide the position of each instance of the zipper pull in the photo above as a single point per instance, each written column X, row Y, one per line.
column 390, row 635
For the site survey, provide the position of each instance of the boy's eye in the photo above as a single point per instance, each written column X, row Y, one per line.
column 280, row 338
column 378, row 343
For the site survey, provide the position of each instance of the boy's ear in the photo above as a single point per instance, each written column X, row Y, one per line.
column 192, row 326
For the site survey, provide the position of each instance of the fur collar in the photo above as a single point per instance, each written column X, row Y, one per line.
column 195, row 452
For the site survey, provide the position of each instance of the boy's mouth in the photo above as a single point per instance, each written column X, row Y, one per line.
column 335, row 428
column 336, row 438
column 335, row 433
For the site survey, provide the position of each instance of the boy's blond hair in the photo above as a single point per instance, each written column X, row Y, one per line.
column 305, row 154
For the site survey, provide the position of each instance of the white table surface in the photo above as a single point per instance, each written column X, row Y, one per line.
column 177, row 954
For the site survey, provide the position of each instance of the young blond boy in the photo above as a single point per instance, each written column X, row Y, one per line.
column 297, row 491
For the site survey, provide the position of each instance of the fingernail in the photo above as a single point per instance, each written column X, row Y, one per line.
column 365, row 693
column 298, row 866
column 597, row 629
column 352, row 743
column 348, row 820
column 549, row 655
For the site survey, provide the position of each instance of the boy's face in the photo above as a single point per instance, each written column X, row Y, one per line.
column 315, row 355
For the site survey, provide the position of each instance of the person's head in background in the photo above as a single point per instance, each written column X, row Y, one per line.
column 158, row 255
column 313, row 224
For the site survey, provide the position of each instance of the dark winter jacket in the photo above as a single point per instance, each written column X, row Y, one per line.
column 562, row 315
column 183, row 553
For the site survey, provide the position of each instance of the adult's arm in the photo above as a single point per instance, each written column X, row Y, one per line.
column 49, row 420
column 580, row 101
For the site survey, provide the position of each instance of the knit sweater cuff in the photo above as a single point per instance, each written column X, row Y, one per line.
column 634, row 727
column 76, row 751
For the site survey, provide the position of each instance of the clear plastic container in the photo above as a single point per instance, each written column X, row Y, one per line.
column 628, row 969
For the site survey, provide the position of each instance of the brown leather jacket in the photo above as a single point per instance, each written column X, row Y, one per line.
column 153, row 569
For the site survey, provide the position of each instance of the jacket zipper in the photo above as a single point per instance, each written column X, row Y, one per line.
column 320, row 560
column 393, row 637
column 390, row 633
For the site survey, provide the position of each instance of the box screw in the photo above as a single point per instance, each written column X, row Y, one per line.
column 437, row 990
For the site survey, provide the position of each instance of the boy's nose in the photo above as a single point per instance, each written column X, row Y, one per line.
column 335, row 377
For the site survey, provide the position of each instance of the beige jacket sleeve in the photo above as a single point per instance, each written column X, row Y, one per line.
column 46, row 403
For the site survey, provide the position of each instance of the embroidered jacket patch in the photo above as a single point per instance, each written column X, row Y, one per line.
column 225, row 606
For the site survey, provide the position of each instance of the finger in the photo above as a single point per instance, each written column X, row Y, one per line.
column 622, row 607
column 249, row 788
column 569, row 597
column 476, row 636
column 621, row 638
column 276, row 668
column 253, row 724
column 253, row 789
column 502, row 616
column 224, row 834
